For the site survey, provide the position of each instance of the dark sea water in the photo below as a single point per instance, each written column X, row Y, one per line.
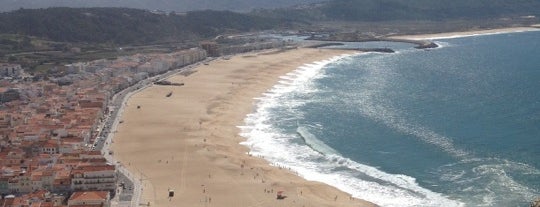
column 454, row 126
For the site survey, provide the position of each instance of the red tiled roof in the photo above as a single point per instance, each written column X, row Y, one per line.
column 91, row 168
column 89, row 195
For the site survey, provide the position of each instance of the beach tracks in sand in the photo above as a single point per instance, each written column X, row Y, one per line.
column 189, row 142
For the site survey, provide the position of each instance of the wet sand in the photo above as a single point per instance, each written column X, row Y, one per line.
column 189, row 142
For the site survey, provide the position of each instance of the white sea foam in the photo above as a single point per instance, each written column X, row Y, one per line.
column 316, row 144
column 381, row 188
column 485, row 178
column 360, row 180
column 442, row 44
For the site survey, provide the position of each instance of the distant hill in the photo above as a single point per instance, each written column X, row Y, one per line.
column 165, row 5
column 127, row 26
column 388, row 10
column 135, row 26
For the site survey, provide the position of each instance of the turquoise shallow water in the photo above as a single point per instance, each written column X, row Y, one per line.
column 454, row 126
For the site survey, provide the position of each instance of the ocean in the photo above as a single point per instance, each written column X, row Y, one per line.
column 458, row 125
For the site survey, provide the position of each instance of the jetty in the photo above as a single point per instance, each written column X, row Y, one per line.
column 381, row 50
column 420, row 44
column 355, row 37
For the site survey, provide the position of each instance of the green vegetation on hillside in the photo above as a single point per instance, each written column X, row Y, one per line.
column 54, row 36
column 44, row 38
column 392, row 10
column 377, row 10
column 121, row 26
column 126, row 26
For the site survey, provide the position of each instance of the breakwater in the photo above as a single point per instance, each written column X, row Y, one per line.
column 348, row 37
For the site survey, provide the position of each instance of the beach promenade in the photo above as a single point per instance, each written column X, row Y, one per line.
column 130, row 192
column 188, row 143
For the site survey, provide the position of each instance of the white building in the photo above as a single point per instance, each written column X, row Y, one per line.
column 101, row 177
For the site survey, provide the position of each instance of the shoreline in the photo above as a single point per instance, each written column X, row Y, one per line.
column 450, row 35
column 190, row 143
column 241, row 152
column 422, row 41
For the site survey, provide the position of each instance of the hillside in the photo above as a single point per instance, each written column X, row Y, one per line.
column 165, row 5
column 134, row 26
column 391, row 10
column 126, row 26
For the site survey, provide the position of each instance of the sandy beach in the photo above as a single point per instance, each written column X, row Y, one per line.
column 466, row 33
column 188, row 142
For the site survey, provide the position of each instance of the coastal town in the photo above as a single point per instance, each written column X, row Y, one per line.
column 297, row 103
column 57, row 133
column 54, row 133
